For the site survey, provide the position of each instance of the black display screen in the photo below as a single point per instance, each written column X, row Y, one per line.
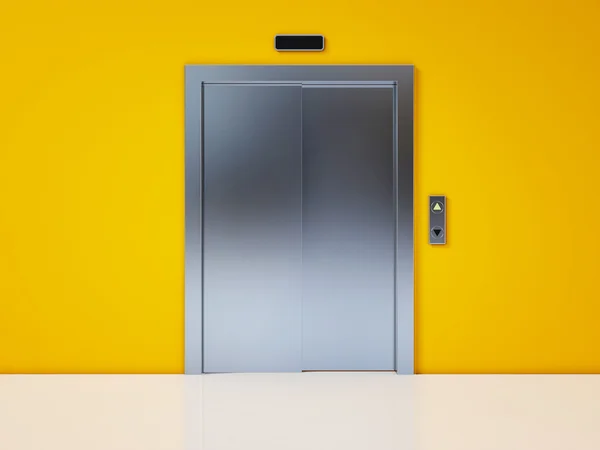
column 299, row 42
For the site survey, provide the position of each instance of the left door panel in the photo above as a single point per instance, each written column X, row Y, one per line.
column 252, row 213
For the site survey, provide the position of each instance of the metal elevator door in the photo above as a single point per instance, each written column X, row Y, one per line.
column 347, row 228
column 299, row 226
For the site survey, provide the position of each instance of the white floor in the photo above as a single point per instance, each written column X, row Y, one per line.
column 310, row 411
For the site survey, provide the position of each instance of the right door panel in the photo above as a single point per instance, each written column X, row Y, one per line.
column 348, row 228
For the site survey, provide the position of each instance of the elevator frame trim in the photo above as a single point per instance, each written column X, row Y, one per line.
column 402, row 79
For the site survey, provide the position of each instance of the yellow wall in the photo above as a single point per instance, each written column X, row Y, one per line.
column 91, row 172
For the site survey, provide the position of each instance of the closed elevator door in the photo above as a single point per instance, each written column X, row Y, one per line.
column 298, row 227
column 348, row 228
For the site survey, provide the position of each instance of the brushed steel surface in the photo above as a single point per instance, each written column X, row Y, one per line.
column 198, row 78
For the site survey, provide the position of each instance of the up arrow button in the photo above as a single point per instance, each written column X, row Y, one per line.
column 437, row 208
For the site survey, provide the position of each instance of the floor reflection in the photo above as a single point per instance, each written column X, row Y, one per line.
column 299, row 411
column 311, row 410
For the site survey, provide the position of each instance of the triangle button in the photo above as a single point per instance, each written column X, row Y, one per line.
column 437, row 232
column 437, row 207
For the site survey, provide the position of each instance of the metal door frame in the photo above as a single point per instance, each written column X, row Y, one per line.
column 402, row 79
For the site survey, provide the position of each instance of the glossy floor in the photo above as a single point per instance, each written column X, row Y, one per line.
column 300, row 411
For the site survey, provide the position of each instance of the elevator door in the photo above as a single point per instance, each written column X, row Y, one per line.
column 348, row 228
column 298, row 227
column 252, row 228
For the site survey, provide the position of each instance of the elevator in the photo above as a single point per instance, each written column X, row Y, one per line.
column 299, row 219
